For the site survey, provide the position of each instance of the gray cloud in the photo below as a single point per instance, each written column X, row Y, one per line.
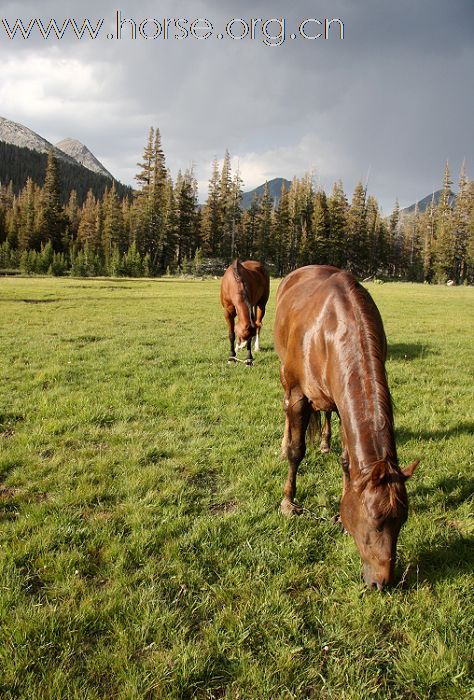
column 395, row 97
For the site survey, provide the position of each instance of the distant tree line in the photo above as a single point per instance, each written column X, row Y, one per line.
column 161, row 227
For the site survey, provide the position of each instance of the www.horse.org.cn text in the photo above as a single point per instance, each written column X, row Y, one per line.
column 271, row 32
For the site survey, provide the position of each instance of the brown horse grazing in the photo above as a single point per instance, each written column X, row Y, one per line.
column 245, row 288
column 332, row 347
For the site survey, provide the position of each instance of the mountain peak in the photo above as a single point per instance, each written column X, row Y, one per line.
column 81, row 154
column 69, row 150
column 274, row 188
column 19, row 135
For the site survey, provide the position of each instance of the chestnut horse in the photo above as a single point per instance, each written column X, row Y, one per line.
column 245, row 288
column 332, row 347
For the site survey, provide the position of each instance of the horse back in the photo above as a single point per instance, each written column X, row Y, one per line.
column 325, row 325
column 254, row 277
column 257, row 281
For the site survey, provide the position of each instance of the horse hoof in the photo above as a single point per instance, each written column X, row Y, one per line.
column 249, row 363
column 325, row 449
column 231, row 360
column 289, row 509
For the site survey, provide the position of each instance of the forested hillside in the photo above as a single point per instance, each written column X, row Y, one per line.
column 58, row 222
column 17, row 164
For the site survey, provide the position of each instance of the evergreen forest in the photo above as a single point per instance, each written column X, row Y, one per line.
column 53, row 225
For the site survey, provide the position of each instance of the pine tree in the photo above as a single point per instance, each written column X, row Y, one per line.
column 394, row 242
column 52, row 222
column 318, row 252
column 187, row 235
column 469, row 270
column 150, row 234
column 197, row 262
column 211, row 223
column 170, row 223
column 461, row 216
column 264, row 229
column 381, row 253
column 158, row 243
column 99, row 226
column 282, row 233
column 301, row 196
column 13, row 223
column 113, row 229
column 73, row 214
column 127, row 223
column 373, row 223
column 226, row 206
column 427, row 224
column 413, row 267
column 236, row 215
column 250, row 225
column 294, row 206
column 144, row 176
column 27, row 225
column 357, row 249
column 445, row 245
column 338, row 208
column 6, row 203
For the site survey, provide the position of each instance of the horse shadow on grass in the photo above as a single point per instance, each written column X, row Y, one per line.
column 444, row 562
column 454, row 556
column 451, row 490
column 404, row 435
column 410, row 351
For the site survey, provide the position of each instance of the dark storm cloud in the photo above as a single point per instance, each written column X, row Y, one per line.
column 394, row 98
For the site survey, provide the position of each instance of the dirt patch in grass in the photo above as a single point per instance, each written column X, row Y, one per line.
column 223, row 508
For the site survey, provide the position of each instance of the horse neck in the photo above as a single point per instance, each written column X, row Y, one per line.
column 367, row 445
column 365, row 410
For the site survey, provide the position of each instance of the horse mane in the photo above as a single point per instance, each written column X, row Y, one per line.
column 373, row 342
column 242, row 286
column 235, row 270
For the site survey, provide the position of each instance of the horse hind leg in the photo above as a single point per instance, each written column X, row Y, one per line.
column 260, row 313
column 286, row 438
column 325, row 445
column 297, row 414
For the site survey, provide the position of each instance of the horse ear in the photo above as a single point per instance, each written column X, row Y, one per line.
column 410, row 469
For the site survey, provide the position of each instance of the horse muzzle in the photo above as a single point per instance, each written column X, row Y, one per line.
column 377, row 579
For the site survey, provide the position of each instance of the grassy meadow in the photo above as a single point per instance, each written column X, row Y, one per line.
column 142, row 552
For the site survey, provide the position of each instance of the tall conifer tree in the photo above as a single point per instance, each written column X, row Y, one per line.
column 51, row 217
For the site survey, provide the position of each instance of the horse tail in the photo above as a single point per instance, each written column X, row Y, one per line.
column 314, row 426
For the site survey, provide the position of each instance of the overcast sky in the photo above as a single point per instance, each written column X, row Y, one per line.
column 391, row 101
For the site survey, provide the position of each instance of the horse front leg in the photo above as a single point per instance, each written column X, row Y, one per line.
column 230, row 319
column 345, row 470
column 336, row 519
column 298, row 412
column 258, row 323
column 325, row 445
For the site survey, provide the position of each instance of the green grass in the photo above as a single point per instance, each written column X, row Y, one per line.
column 142, row 552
